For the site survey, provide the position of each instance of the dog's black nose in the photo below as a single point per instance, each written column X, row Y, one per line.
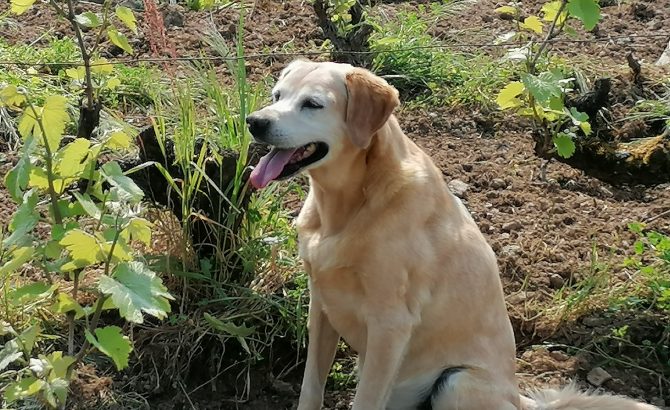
column 258, row 126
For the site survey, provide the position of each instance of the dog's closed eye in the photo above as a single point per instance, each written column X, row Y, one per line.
column 311, row 104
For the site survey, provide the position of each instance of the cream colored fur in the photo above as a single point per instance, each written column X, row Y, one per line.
column 397, row 266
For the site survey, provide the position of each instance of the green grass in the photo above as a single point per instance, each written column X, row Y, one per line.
column 425, row 69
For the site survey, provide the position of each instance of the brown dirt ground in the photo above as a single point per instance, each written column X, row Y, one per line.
column 543, row 227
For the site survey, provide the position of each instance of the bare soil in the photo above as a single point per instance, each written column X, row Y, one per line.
column 546, row 221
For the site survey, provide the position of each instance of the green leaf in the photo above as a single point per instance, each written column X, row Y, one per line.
column 140, row 230
column 229, row 327
column 639, row 247
column 118, row 140
column 543, row 86
column 65, row 303
column 84, row 249
column 126, row 189
column 532, row 23
column 11, row 97
column 28, row 337
column 21, row 6
column 550, row 11
column 135, row 289
column 636, row 227
column 512, row 11
column 25, row 388
column 18, row 258
column 54, row 119
column 59, row 364
column 16, row 179
column 588, row 11
column 113, row 83
column 101, row 66
column 507, row 98
column 89, row 206
column 78, row 73
column 88, row 19
column 119, row 40
column 564, row 144
column 28, row 123
column 127, row 17
column 30, row 292
column 24, row 220
column 110, row 341
column 9, row 353
column 70, row 160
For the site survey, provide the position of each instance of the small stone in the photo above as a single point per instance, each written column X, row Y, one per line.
column 559, row 356
column 556, row 281
column 498, row 183
column 598, row 376
column 458, row 187
column 505, row 235
column 510, row 250
column 512, row 226
column 594, row 321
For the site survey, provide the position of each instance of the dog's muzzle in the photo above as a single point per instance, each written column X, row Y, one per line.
column 258, row 127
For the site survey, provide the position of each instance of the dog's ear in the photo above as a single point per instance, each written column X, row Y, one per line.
column 371, row 100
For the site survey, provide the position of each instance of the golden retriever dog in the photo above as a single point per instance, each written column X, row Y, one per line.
column 397, row 266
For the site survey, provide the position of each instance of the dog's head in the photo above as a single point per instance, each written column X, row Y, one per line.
column 320, row 111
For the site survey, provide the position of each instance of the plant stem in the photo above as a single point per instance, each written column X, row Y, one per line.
column 70, row 315
column 101, row 300
column 49, row 165
column 550, row 35
column 85, row 56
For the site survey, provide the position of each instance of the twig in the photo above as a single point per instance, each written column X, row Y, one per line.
column 549, row 36
column 655, row 217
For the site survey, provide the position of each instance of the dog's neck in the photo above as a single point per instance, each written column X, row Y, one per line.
column 341, row 188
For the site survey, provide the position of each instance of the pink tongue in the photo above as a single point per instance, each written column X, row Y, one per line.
column 270, row 166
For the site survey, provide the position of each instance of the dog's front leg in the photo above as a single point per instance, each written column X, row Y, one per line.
column 320, row 355
column 387, row 340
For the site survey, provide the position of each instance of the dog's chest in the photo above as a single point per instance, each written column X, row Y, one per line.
column 335, row 281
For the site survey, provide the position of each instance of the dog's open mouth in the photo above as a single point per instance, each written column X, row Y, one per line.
column 282, row 163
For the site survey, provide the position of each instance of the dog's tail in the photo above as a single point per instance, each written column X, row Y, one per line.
column 570, row 398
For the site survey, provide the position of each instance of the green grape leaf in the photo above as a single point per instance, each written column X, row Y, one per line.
column 27, row 387
column 110, row 341
column 119, row 40
column 78, row 73
column 588, row 11
column 84, row 249
column 16, row 179
column 18, row 258
column 10, row 96
column 9, row 353
column 532, row 23
column 565, row 146
column 24, row 220
column 28, row 123
column 512, row 11
column 65, row 303
column 89, row 206
column 118, row 140
column 88, row 19
column 54, row 119
column 127, row 17
column 21, row 6
column 135, row 289
column 550, row 11
column 140, row 230
column 70, row 160
column 126, row 189
column 507, row 98
column 101, row 66
column 543, row 86
column 113, row 83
